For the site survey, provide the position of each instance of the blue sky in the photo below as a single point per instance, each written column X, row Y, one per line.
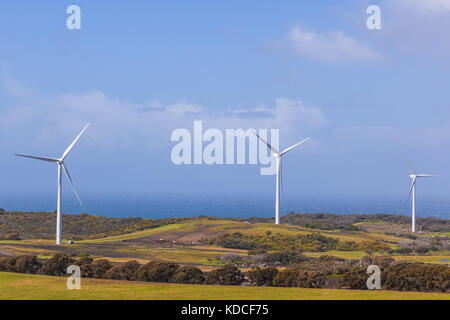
column 138, row 71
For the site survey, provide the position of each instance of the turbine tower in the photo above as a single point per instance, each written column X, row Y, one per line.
column 278, row 156
column 412, row 190
column 61, row 167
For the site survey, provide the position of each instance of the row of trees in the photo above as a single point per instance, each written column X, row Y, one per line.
column 316, row 273
column 154, row 271
column 403, row 276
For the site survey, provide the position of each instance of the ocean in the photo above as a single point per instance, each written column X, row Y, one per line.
column 162, row 206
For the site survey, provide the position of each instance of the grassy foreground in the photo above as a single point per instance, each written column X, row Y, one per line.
column 14, row 286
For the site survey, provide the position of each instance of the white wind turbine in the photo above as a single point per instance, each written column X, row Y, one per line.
column 278, row 156
column 413, row 175
column 61, row 165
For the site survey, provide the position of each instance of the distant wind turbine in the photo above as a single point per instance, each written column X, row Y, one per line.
column 413, row 175
column 278, row 156
column 61, row 166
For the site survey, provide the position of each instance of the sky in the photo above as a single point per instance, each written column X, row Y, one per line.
column 139, row 70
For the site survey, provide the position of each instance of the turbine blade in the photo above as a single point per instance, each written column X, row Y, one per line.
column 411, row 188
column 66, row 171
column 66, row 153
column 266, row 143
column 426, row 175
column 294, row 146
column 409, row 164
column 38, row 158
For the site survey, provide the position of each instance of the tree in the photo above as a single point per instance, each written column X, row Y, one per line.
column 57, row 265
column 100, row 267
column 123, row 271
column 262, row 276
column 228, row 275
column 157, row 271
column 188, row 274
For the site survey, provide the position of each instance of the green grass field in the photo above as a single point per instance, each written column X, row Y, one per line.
column 36, row 287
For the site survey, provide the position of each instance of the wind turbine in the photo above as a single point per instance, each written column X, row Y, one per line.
column 61, row 167
column 412, row 190
column 278, row 156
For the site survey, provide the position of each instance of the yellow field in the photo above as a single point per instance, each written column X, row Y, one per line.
column 36, row 287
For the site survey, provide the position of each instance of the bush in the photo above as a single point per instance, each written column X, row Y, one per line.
column 284, row 257
column 299, row 277
column 27, row 264
column 123, row 271
column 262, row 277
column 57, row 265
column 421, row 250
column 232, row 258
column 406, row 276
column 403, row 251
column 100, row 267
column 85, row 267
column 7, row 264
column 157, row 271
column 228, row 275
column 188, row 274
column 355, row 279
column 383, row 261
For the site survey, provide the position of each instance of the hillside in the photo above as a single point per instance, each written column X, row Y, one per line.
column 42, row 225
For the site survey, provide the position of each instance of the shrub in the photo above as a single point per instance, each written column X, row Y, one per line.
column 85, row 266
column 355, row 279
column 417, row 277
column 100, row 267
column 228, row 275
column 123, row 271
column 383, row 261
column 231, row 258
column 403, row 251
column 7, row 264
column 421, row 250
column 284, row 257
column 188, row 274
column 299, row 277
column 27, row 264
column 57, row 265
column 262, row 277
column 157, row 271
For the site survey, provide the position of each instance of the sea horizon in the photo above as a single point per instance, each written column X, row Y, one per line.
column 159, row 206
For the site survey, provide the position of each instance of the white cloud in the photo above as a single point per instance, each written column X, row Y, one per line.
column 333, row 46
column 38, row 120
